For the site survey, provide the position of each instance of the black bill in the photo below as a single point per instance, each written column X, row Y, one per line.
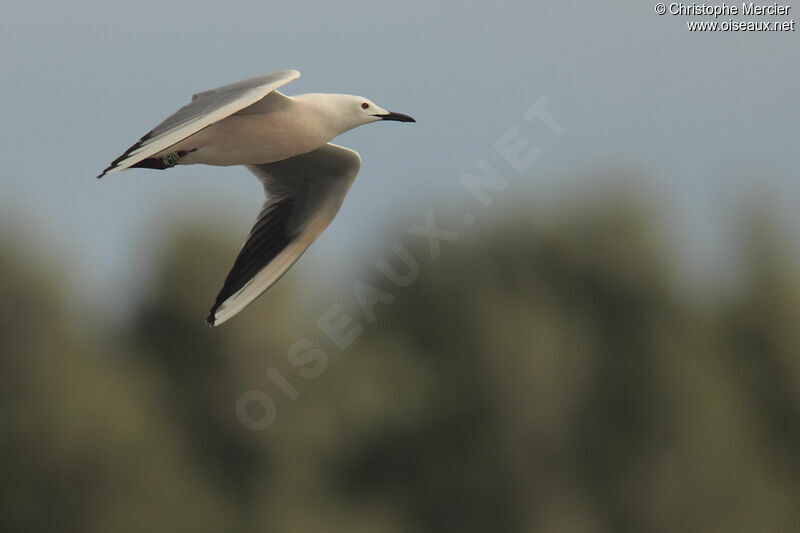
column 400, row 117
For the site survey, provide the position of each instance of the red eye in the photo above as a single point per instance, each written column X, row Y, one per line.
column 364, row 105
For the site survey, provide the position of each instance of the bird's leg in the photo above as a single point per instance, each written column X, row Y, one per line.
column 162, row 163
column 171, row 159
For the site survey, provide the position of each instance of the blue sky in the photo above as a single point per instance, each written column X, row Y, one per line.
column 706, row 120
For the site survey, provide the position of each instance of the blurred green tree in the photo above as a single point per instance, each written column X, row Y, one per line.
column 547, row 373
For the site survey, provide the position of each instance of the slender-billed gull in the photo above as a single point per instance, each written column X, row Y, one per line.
column 284, row 141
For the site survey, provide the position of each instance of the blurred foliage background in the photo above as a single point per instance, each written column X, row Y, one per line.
column 548, row 372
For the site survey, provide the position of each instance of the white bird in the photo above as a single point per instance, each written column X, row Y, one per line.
column 284, row 141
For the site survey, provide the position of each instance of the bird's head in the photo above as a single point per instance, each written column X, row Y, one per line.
column 346, row 111
column 366, row 111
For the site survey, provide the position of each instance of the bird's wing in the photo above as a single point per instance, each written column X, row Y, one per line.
column 205, row 109
column 304, row 193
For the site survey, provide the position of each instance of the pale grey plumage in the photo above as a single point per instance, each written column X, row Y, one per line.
column 284, row 141
column 206, row 108
column 310, row 188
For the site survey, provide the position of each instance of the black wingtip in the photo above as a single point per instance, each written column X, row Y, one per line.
column 116, row 162
column 211, row 319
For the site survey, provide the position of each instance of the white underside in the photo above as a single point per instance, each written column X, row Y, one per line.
column 269, row 275
column 250, row 139
column 166, row 141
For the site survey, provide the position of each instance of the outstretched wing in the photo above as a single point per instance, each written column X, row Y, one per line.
column 304, row 193
column 205, row 109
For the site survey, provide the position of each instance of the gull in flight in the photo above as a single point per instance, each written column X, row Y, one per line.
column 284, row 141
